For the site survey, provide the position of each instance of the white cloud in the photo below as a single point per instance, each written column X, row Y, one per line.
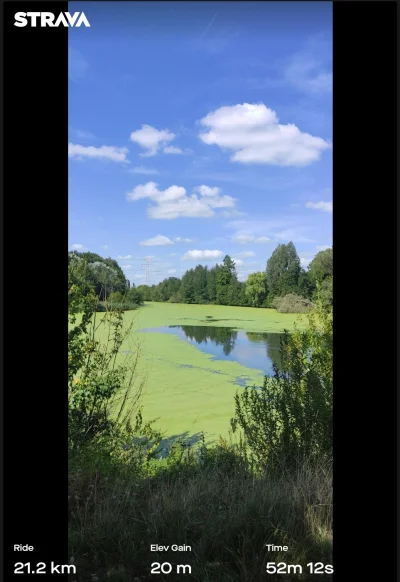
column 171, row 271
column 305, row 262
column 125, row 257
column 172, row 254
column 323, row 206
column 179, row 239
column 105, row 247
column 143, row 170
column 323, row 247
column 207, row 190
column 103, row 152
column 249, row 238
column 205, row 255
column 172, row 150
column 151, row 139
column 157, row 241
column 254, row 134
column 246, row 254
column 238, row 262
column 126, row 267
column 175, row 203
column 77, row 247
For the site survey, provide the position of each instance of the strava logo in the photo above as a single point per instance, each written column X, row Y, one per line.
column 43, row 19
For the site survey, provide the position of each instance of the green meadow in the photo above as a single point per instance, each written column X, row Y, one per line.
column 186, row 391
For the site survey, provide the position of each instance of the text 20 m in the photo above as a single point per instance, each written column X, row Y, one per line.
column 313, row 568
column 167, row 568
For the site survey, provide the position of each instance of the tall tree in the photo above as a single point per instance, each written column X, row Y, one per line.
column 225, row 277
column 321, row 266
column 283, row 271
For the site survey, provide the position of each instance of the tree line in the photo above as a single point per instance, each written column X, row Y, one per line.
column 284, row 284
column 219, row 285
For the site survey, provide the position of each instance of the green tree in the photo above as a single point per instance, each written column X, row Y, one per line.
column 225, row 277
column 256, row 289
column 283, row 271
column 321, row 266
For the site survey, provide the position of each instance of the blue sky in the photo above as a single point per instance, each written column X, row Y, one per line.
column 198, row 130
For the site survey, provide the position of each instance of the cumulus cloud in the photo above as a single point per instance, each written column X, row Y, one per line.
column 157, row 241
column 204, row 255
column 207, row 190
column 174, row 202
column 238, row 262
column 323, row 206
column 151, row 139
column 103, row 152
column 249, row 238
column 126, row 267
column 171, row 271
column 77, row 247
column 255, row 135
column 172, row 150
column 125, row 257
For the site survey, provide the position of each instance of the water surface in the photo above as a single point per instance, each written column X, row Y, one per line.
column 251, row 349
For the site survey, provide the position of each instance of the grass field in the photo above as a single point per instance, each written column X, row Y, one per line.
column 185, row 390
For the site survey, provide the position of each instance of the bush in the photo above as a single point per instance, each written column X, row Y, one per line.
column 290, row 417
column 292, row 303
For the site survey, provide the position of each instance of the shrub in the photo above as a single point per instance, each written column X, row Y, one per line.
column 290, row 417
column 292, row 303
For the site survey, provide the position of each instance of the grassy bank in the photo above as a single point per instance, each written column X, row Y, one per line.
column 218, row 508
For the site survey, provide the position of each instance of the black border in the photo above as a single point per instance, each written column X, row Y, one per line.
column 365, row 261
column 35, row 240
column 34, row 289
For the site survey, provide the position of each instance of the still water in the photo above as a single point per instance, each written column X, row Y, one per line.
column 251, row 349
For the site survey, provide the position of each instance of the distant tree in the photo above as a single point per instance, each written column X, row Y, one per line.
column 305, row 286
column 283, row 271
column 212, row 284
column 145, row 292
column 225, row 277
column 134, row 296
column 256, row 288
column 321, row 266
column 200, row 284
column 104, row 275
column 187, row 287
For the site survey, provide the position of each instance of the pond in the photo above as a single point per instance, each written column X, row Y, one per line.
column 251, row 349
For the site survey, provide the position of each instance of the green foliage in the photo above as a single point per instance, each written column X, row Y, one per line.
column 321, row 267
column 102, row 395
column 283, row 271
column 226, row 277
column 104, row 276
column 290, row 417
column 292, row 303
column 256, row 289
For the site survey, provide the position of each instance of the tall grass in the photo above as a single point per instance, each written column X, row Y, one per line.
column 217, row 507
